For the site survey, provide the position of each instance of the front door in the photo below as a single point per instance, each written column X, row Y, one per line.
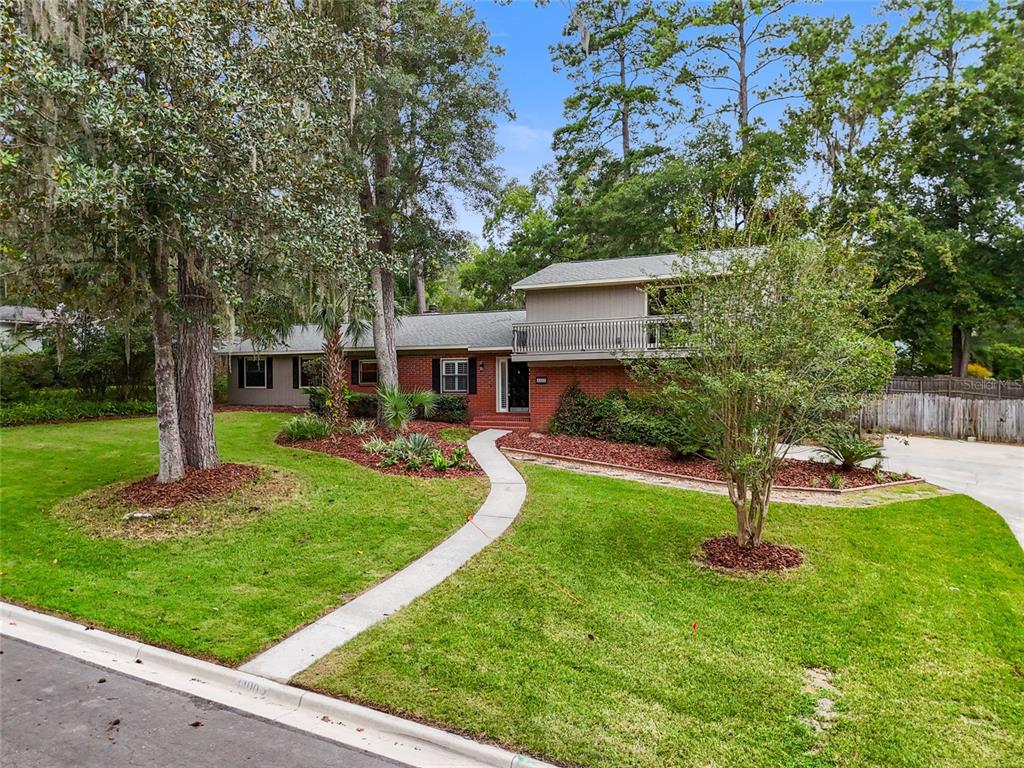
column 518, row 386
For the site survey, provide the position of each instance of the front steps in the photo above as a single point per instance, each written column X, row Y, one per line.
column 512, row 421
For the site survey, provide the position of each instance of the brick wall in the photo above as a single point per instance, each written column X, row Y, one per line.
column 415, row 372
column 594, row 380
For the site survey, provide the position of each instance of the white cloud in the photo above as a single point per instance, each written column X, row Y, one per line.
column 516, row 137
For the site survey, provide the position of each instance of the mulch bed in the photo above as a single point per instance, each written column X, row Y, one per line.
column 725, row 553
column 198, row 484
column 794, row 473
column 349, row 446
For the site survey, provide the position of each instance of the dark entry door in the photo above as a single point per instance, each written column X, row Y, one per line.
column 518, row 386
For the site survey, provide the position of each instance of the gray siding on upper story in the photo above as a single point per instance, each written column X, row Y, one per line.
column 554, row 304
column 282, row 392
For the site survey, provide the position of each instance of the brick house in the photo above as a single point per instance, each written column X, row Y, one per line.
column 582, row 319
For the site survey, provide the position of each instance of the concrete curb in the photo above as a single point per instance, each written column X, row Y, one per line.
column 377, row 732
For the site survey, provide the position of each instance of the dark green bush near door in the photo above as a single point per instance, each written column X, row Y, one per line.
column 453, row 409
column 622, row 417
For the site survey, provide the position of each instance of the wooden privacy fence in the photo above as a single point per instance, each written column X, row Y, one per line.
column 927, row 413
column 954, row 387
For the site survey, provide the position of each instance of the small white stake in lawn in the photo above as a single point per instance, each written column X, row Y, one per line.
column 508, row 491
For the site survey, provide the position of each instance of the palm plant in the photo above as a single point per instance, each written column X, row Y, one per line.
column 398, row 408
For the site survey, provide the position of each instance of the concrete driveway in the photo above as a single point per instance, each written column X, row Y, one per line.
column 992, row 473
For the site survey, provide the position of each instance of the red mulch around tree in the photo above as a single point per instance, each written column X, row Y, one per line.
column 349, row 446
column 198, row 484
column 794, row 473
column 725, row 553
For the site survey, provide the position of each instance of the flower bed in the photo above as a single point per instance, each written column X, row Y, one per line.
column 349, row 446
column 794, row 473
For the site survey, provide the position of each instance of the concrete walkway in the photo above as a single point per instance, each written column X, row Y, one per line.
column 508, row 491
column 992, row 473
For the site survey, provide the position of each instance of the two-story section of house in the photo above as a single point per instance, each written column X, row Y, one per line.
column 583, row 321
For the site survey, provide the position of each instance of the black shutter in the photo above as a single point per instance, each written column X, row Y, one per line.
column 295, row 372
column 270, row 372
column 241, row 372
column 354, row 377
column 435, row 374
column 472, row 375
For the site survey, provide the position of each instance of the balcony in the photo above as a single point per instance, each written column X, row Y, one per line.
column 594, row 339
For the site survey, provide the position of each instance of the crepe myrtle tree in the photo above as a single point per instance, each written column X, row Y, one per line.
column 779, row 340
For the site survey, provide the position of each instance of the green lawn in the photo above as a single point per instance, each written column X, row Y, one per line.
column 224, row 594
column 573, row 636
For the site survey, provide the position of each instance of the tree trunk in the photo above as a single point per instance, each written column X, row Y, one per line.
column 382, row 278
column 334, row 375
column 742, row 85
column 195, row 362
column 421, row 287
column 624, row 109
column 961, row 348
column 384, row 326
column 172, row 465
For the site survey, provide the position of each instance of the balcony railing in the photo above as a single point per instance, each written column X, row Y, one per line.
column 614, row 337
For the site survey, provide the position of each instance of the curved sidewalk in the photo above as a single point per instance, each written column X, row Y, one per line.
column 508, row 491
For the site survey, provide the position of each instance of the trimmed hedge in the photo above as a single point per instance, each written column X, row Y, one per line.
column 362, row 406
column 71, row 409
column 623, row 418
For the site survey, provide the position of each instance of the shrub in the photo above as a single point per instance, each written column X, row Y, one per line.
column 398, row 407
column 375, row 444
column 23, row 373
column 362, row 406
column 453, row 409
column 978, row 371
column 361, row 427
column 438, row 461
column 1006, row 360
column 846, row 448
column 71, row 407
column 624, row 418
column 220, row 387
column 308, row 426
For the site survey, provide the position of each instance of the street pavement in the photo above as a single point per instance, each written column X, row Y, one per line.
column 59, row 712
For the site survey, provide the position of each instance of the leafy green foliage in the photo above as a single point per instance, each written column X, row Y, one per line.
column 453, row 409
column 411, row 450
column 70, row 405
column 398, row 408
column 362, row 405
column 624, row 418
column 785, row 339
column 307, row 426
column 360, row 426
column 22, row 373
column 841, row 443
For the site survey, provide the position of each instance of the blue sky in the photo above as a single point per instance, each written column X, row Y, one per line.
column 525, row 31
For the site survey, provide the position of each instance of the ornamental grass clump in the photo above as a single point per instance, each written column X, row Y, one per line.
column 308, row 426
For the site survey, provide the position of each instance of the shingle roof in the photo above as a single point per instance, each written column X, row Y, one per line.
column 458, row 330
column 625, row 270
column 13, row 313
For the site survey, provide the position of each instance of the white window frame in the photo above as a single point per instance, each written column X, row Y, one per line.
column 266, row 361
column 376, row 373
column 455, row 360
column 302, row 370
